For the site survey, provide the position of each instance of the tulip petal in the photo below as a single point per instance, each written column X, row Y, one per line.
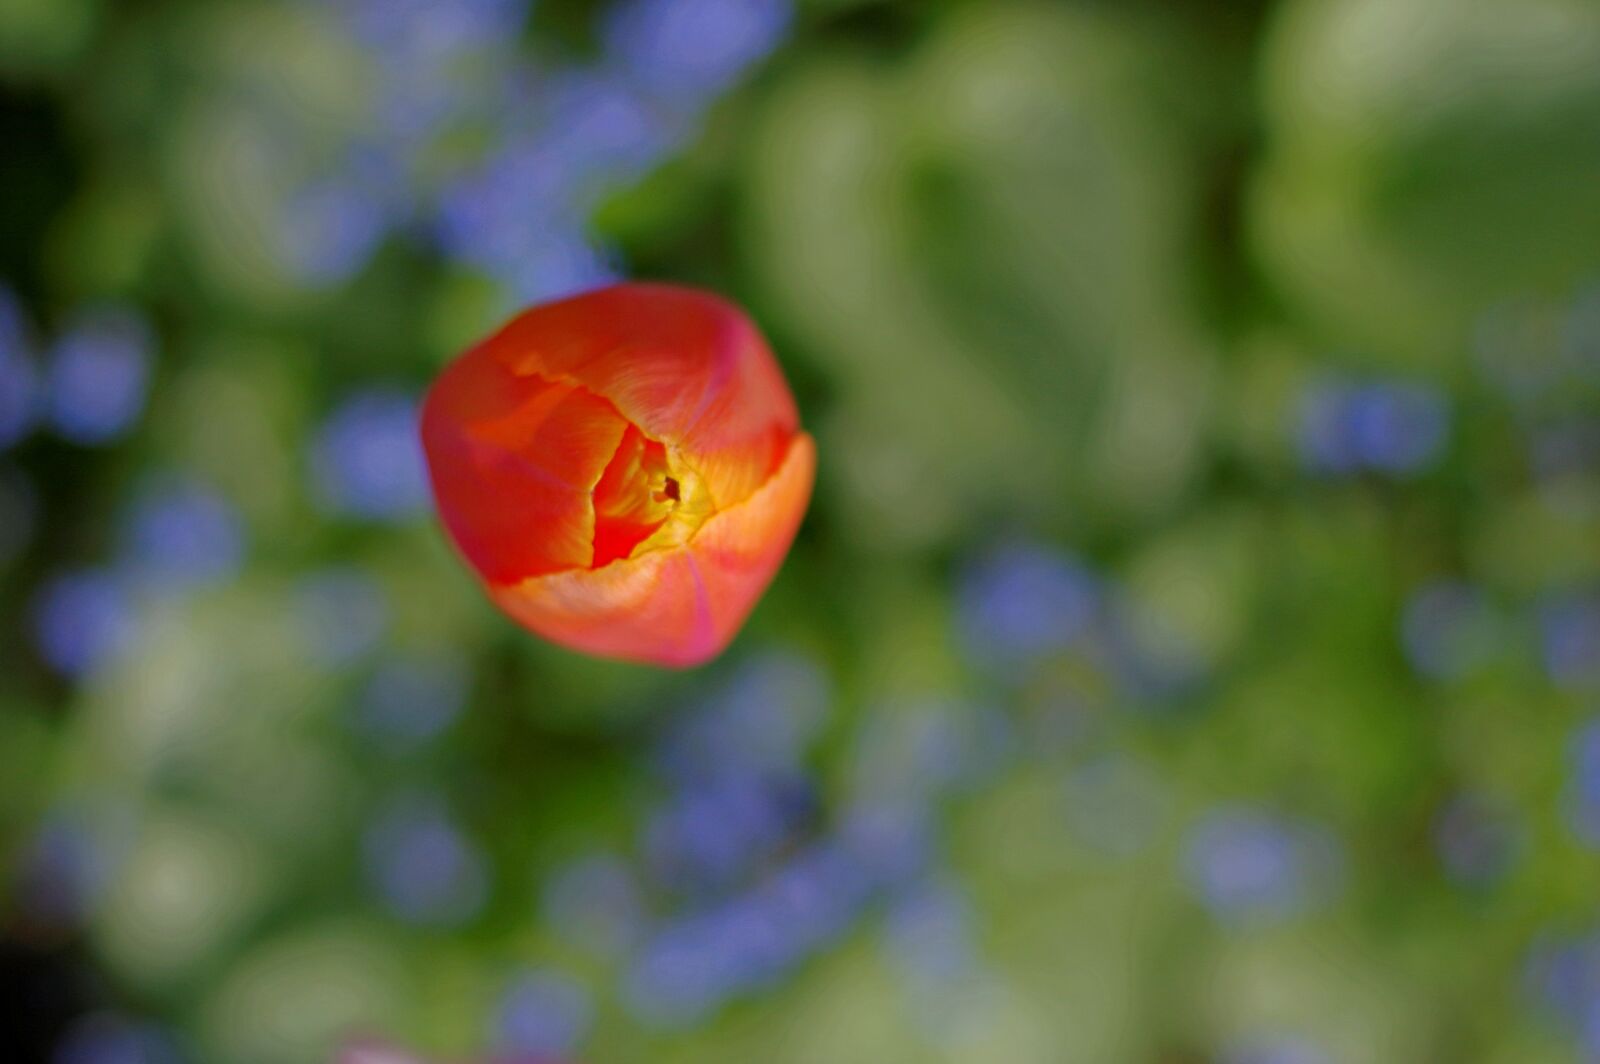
column 688, row 368
column 513, row 466
column 678, row 606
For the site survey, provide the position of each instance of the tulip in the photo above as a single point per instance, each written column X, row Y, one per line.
column 624, row 469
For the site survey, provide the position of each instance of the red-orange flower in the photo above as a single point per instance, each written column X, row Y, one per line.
column 624, row 469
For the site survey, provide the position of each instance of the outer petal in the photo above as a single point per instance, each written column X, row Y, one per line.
column 679, row 606
column 689, row 368
column 513, row 460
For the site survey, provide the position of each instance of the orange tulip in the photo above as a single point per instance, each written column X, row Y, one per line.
column 625, row 470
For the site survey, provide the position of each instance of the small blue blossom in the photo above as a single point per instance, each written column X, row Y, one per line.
column 691, row 50
column 543, row 1013
column 1448, row 630
column 1248, row 864
column 1562, row 971
column 182, row 534
column 423, row 868
column 1391, row 428
column 762, row 719
column 98, row 374
column 342, row 614
column 81, row 620
column 1021, row 602
column 890, row 842
column 714, row 831
column 1570, row 629
column 411, row 699
column 367, row 459
column 594, row 903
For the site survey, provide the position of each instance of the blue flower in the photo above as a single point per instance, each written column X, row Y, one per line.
column 1249, row 865
column 714, row 831
column 411, row 699
column 691, row 50
column 424, row 869
column 98, row 374
column 1020, row 602
column 1570, row 627
column 342, row 614
column 1388, row 427
column 543, row 1013
column 1563, row 972
column 182, row 534
column 1447, row 630
column 762, row 718
column 367, row 459
column 81, row 620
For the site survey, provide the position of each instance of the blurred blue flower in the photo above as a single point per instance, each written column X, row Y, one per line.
column 714, row 831
column 182, row 533
column 366, row 460
column 1389, row 427
column 424, row 869
column 1448, row 629
column 341, row 612
column 691, row 50
column 1570, row 629
column 411, row 699
column 1398, row 428
column 1562, row 971
column 19, row 379
column 1476, row 840
column 603, row 132
column 102, row 1038
column 762, row 718
column 594, row 903
column 330, row 229
column 1115, row 805
column 817, row 893
column 19, row 514
column 1276, row 1049
column 1248, row 864
column 543, row 1013
column 81, row 620
column 98, row 374
column 890, row 842
column 1022, row 601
